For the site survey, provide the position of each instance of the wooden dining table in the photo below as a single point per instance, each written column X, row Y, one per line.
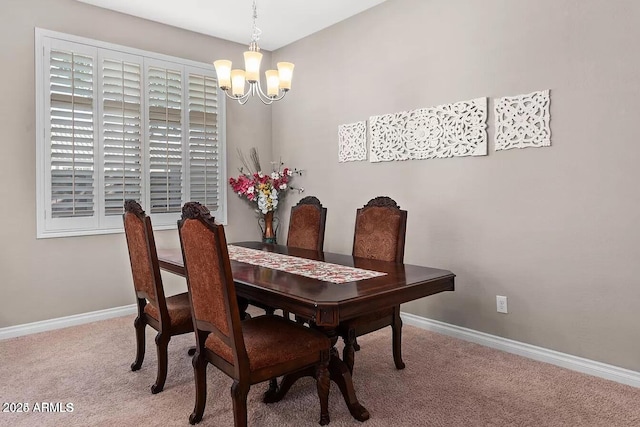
column 325, row 303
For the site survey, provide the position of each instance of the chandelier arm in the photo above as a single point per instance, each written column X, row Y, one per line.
column 265, row 98
column 257, row 91
column 241, row 99
column 245, row 98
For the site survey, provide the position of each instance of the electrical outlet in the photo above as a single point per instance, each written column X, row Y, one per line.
column 501, row 304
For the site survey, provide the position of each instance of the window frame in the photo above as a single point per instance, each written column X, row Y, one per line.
column 100, row 223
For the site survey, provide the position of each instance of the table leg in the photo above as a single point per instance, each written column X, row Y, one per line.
column 339, row 374
column 342, row 377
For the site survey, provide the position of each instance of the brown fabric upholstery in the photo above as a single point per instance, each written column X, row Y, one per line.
column 178, row 307
column 377, row 233
column 204, row 275
column 304, row 227
column 139, row 255
column 271, row 340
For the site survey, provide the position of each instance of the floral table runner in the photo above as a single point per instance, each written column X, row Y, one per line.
column 319, row 270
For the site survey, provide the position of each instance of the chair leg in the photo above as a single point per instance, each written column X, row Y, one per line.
column 200, row 376
column 356, row 346
column 239, row 391
column 396, row 329
column 323, row 383
column 348, row 353
column 139, row 326
column 162, row 342
column 273, row 387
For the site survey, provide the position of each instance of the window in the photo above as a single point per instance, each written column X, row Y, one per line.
column 116, row 123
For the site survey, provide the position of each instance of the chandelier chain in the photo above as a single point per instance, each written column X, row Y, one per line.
column 255, row 36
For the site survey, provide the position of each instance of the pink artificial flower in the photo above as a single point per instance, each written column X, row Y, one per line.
column 247, row 185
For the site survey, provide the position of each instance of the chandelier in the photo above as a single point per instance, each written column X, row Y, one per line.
column 232, row 82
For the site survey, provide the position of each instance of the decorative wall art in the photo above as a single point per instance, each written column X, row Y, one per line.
column 352, row 142
column 449, row 130
column 522, row 121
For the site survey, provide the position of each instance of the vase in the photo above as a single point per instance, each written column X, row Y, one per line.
column 269, row 226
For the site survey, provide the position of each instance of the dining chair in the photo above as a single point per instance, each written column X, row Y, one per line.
column 306, row 231
column 307, row 224
column 306, row 228
column 168, row 315
column 251, row 351
column 379, row 234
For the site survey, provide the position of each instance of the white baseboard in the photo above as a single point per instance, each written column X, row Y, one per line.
column 591, row 367
column 64, row 322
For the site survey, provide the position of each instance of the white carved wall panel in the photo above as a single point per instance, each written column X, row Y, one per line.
column 352, row 142
column 523, row 121
column 449, row 130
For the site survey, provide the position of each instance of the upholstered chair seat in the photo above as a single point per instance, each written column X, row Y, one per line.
column 271, row 340
column 178, row 308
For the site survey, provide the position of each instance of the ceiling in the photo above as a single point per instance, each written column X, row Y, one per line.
column 281, row 21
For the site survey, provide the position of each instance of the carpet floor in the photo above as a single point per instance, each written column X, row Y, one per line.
column 447, row 382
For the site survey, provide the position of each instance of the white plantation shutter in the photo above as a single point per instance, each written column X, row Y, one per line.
column 71, row 116
column 164, row 87
column 115, row 123
column 204, row 141
column 121, row 133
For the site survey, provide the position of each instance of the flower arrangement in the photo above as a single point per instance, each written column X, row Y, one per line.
column 258, row 187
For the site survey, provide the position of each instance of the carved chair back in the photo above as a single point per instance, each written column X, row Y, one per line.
column 214, row 305
column 380, row 230
column 307, row 224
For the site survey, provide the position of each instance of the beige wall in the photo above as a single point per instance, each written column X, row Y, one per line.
column 556, row 230
column 49, row 278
